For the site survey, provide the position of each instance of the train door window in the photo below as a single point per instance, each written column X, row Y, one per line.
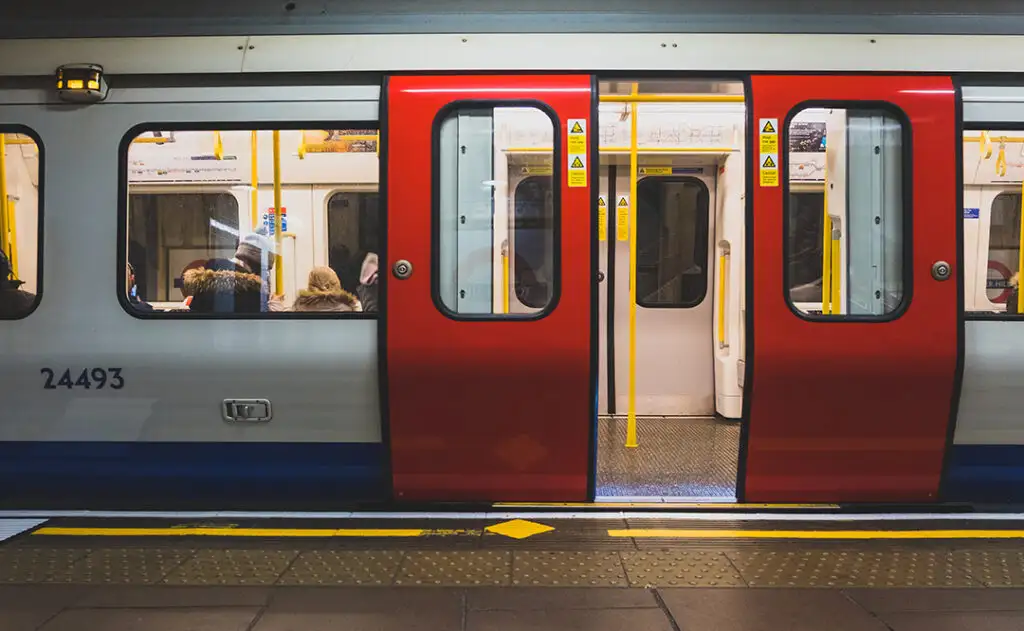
column 20, row 191
column 864, row 213
column 672, row 242
column 170, row 231
column 533, row 231
column 492, row 244
column 353, row 233
column 1004, row 238
column 805, row 236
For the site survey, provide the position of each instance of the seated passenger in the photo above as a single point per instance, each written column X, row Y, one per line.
column 325, row 293
column 367, row 289
column 133, row 291
column 1011, row 300
column 221, row 287
column 14, row 303
column 255, row 255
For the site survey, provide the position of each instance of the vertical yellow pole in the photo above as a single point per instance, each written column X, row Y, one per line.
column 837, row 275
column 3, row 195
column 722, row 267
column 12, row 225
column 254, row 196
column 633, row 202
column 278, row 260
column 504, row 280
column 1020, row 259
column 826, row 251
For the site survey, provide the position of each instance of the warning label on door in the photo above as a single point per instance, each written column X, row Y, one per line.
column 602, row 218
column 622, row 218
column 769, row 169
column 769, row 133
column 577, row 135
column 577, row 169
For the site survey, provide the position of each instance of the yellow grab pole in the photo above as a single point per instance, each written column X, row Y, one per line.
column 826, row 251
column 278, row 259
column 835, row 262
column 631, row 415
column 12, row 225
column 254, row 196
column 723, row 259
column 633, row 97
column 3, row 195
column 1020, row 259
column 504, row 278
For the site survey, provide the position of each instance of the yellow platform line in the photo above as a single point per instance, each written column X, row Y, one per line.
column 666, row 505
column 237, row 532
column 672, row 533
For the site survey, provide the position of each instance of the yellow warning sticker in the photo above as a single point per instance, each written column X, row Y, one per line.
column 622, row 218
column 769, row 169
column 655, row 170
column 537, row 169
column 769, row 132
column 602, row 218
column 577, row 135
column 577, row 169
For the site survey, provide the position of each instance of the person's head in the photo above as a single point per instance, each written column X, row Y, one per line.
column 256, row 250
column 7, row 280
column 323, row 279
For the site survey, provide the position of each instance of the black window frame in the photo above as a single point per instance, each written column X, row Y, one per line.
column 435, row 208
column 702, row 247
column 25, row 130
column 208, row 126
column 907, row 194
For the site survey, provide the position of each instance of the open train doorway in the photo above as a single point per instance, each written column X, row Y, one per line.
column 671, row 223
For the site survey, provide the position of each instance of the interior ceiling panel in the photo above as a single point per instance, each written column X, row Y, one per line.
column 143, row 18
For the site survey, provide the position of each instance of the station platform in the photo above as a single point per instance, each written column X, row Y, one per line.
column 507, row 571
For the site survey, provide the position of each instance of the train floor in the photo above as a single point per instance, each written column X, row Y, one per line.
column 677, row 459
column 505, row 573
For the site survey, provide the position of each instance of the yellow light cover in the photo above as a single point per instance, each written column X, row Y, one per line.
column 75, row 84
column 94, row 85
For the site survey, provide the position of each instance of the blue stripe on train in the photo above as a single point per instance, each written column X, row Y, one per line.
column 985, row 473
column 76, row 472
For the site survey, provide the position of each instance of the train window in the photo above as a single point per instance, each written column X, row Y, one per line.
column 203, row 235
column 858, row 268
column 496, row 242
column 1004, row 248
column 672, row 242
column 20, row 190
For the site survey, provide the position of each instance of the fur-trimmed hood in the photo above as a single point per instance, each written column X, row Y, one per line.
column 337, row 300
column 222, row 291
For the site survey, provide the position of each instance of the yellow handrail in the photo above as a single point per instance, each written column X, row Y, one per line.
column 723, row 267
column 627, row 150
column 12, row 224
column 504, row 277
column 633, row 97
column 278, row 259
column 4, row 234
column 631, row 440
column 1020, row 259
column 987, row 136
column 835, row 261
column 254, row 195
column 826, row 250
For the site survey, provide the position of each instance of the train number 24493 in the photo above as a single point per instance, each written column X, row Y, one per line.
column 89, row 378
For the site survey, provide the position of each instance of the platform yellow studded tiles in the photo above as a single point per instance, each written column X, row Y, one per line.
column 519, row 528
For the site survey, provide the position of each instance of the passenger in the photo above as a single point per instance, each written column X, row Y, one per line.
column 255, row 255
column 133, row 291
column 1011, row 300
column 14, row 303
column 220, row 286
column 367, row 290
column 325, row 293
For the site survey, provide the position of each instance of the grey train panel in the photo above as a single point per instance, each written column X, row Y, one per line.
column 319, row 374
column 985, row 104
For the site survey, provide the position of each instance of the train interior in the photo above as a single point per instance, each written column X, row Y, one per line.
column 672, row 159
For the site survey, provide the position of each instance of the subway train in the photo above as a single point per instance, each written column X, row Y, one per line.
column 432, row 269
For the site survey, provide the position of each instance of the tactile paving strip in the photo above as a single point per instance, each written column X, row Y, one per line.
column 680, row 568
column 825, row 568
column 343, row 567
column 129, row 566
column 992, row 568
column 458, row 568
column 36, row 565
column 233, row 567
column 568, row 569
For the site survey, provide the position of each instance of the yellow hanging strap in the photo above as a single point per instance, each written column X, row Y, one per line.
column 1020, row 255
column 1001, row 159
column 302, row 144
column 631, row 439
column 218, row 146
column 986, row 145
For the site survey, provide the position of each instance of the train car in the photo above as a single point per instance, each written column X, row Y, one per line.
column 301, row 269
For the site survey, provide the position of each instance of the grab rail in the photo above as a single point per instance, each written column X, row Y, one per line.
column 723, row 266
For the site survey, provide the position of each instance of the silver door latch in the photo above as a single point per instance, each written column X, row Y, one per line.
column 246, row 410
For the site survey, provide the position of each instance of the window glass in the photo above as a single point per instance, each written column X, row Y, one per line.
column 19, row 224
column 672, row 242
column 859, row 264
column 1004, row 249
column 496, row 241
column 204, row 237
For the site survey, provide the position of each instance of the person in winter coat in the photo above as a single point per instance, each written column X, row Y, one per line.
column 325, row 293
column 367, row 290
column 14, row 303
column 1011, row 300
column 255, row 255
column 221, row 286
